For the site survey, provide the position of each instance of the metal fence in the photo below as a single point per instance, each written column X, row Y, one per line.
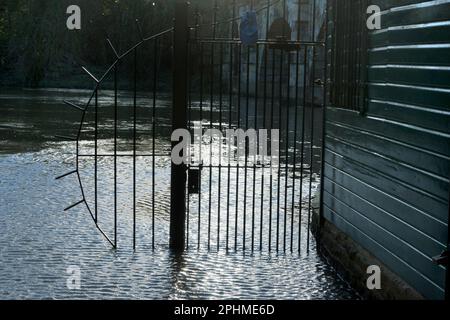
column 349, row 54
column 275, row 83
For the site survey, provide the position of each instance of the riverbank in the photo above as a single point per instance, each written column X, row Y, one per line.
column 77, row 79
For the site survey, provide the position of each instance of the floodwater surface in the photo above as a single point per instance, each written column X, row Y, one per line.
column 40, row 243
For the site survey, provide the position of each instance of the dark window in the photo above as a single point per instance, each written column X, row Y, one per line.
column 348, row 54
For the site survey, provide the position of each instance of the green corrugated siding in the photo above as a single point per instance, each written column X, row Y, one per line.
column 387, row 173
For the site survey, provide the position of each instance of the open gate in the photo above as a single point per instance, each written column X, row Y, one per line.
column 275, row 83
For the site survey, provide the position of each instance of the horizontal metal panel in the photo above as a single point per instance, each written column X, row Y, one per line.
column 414, row 136
column 417, row 95
column 392, row 4
column 403, row 210
column 417, row 280
column 414, row 75
column 423, row 33
column 436, row 120
column 421, row 242
column 437, row 55
column 390, row 241
column 420, row 199
column 422, row 12
column 435, row 164
column 433, row 185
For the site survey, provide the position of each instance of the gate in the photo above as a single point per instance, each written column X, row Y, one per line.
column 271, row 88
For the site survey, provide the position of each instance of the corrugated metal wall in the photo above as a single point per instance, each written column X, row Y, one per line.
column 387, row 173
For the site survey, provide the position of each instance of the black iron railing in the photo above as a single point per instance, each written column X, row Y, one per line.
column 92, row 106
column 272, row 84
column 349, row 54
column 278, row 83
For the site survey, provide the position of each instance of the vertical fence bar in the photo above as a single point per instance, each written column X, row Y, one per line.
column 324, row 116
column 280, row 97
column 266, row 52
column 134, row 145
column 211, row 124
column 254, row 169
column 287, row 131
column 364, row 61
column 338, row 44
column 288, row 105
column 332, row 18
column 348, row 61
column 272, row 114
column 237, row 162
column 302, row 148
column 219, row 203
column 199, row 222
column 188, row 213
column 179, row 121
column 96, row 156
column 312, row 125
column 359, row 34
column 155, row 67
column 294, row 161
column 258, row 143
column 189, row 121
column 247, row 106
column 230, row 111
column 263, row 164
column 115, row 155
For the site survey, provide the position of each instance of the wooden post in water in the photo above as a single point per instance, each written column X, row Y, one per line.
column 179, row 121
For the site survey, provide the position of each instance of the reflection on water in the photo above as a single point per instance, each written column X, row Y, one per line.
column 38, row 241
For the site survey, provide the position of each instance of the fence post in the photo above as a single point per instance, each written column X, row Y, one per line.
column 179, row 121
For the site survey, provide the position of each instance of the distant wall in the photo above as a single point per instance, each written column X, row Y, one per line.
column 304, row 25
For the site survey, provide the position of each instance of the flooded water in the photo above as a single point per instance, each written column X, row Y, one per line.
column 39, row 241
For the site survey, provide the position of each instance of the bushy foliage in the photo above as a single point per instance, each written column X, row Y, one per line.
column 35, row 43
